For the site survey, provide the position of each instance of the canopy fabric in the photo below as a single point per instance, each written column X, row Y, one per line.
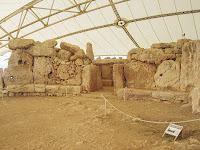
column 143, row 22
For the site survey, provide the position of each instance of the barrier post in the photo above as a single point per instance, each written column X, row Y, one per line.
column 105, row 107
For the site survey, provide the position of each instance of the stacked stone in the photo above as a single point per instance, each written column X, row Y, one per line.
column 39, row 68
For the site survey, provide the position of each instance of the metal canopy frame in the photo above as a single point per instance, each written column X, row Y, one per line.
column 80, row 9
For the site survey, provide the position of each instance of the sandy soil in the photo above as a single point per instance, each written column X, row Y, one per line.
column 79, row 123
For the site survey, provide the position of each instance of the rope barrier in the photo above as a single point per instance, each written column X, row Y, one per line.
column 147, row 121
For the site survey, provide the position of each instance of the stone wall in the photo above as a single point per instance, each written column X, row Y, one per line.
column 163, row 68
column 40, row 68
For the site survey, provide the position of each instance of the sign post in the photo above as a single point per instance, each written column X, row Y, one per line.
column 173, row 130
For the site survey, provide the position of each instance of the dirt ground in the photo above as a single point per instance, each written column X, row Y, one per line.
column 79, row 123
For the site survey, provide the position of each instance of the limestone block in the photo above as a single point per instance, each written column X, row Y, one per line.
column 18, row 75
column 163, row 45
column 181, row 42
column 20, row 88
column 52, row 89
column 50, row 43
column 139, row 75
column 118, row 76
column 107, row 82
column 79, row 62
column 39, row 88
column 74, row 89
column 195, row 96
column 154, row 56
column 1, row 79
column 190, row 69
column 107, row 72
column 20, row 44
column 20, row 57
column 130, row 93
column 70, row 47
column 170, row 96
column 89, row 51
column 168, row 75
column 77, row 80
column 90, row 78
column 42, row 68
column 134, row 51
column 62, row 71
column 64, row 55
column 41, row 50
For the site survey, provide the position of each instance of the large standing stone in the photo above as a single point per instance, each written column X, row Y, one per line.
column 195, row 95
column 89, row 51
column 18, row 75
column 190, row 68
column 20, row 44
column 139, row 75
column 42, row 68
column 168, row 75
column 90, row 78
column 118, row 76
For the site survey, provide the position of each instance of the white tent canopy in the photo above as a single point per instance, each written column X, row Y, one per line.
column 112, row 26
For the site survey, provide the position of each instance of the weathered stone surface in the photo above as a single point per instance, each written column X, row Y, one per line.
column 118, row 76
column 39, row 88
column 19, row 57
column 18, row 75
column 90, row 78
column 50, row 43
column 20, row 44
column 107, row 82
column 134, row 51
column 170, row 96
column 64, row 55
column 79, row 62
column 190, row 69
column 163, row 45
column 130, row 93
column 62, row 71
column 70, row 47
column 107, row 72
column 76, row 80
column 109, row 61
column 41, row 50
column 139, row 75
column 195, row 96
column 1, row 80
column 42, row 68
column 181, row 42
column 21, row 88
column 168, row 75
column 154, row 56
column 89, row 51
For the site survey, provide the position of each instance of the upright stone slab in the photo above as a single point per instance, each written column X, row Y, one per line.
column 42, row 67
column 118, row 76
column 89, row 51
column 195, row 96
column 90, row 78
column 139, row 75
column 190, row 68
